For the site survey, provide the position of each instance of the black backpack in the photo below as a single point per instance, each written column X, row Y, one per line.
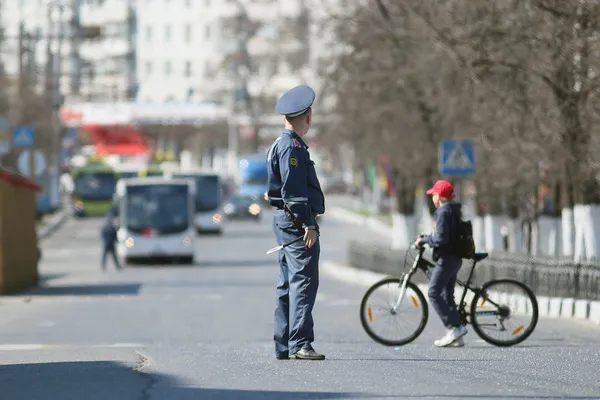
column 463, row 243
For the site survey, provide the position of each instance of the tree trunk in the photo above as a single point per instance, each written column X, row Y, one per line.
column 515, row 231
column 403, row 219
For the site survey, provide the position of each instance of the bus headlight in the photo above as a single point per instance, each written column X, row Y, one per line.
column 217, row 218
column 266, row 196
column 254, row 209
column 129, row 242
column 187, row 241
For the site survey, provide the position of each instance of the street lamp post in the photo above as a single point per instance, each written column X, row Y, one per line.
column 54, row 81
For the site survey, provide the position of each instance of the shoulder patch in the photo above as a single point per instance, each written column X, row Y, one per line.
column 293, row 161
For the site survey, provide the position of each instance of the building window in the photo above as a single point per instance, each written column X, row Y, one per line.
column 188, row 33
column 167, row 68
column 167, row 32
column 148, row 32
column 188, row 69
column 148, row 67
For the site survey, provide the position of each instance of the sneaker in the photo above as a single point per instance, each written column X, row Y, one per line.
column 459, row 343
column 307, row 354
column 453, row 335
column 281, row 356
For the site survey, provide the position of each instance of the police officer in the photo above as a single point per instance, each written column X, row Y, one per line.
column 109, row 239
column 295, row 191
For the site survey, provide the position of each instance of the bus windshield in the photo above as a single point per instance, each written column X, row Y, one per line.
column 208, row 191
column 163, row 208
column 95, row 185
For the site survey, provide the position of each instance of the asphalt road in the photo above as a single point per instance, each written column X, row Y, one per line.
column 205, row 332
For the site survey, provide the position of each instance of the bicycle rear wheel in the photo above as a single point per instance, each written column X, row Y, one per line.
column 504, row 312
column 404, row 324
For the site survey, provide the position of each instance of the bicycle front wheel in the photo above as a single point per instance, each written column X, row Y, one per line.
column 388, row 326
column 504, row 312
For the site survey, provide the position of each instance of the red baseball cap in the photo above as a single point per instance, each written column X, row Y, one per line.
column 443, row 188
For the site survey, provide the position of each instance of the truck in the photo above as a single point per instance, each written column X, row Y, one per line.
column 254, row 178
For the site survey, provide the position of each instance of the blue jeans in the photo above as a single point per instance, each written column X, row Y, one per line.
column 296, row 288
column 441, row 290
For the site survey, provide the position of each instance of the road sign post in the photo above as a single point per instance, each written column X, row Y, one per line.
column 457, row 160
column 4, row 136
column 23, row 137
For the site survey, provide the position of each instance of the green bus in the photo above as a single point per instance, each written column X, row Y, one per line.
column 94, row 187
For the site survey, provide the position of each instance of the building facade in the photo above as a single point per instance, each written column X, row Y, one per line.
column 95, row 40
column 108, row 50
column 222, row 50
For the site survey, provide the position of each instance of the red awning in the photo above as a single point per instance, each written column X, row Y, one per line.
column 125, row 148
column 117, row 139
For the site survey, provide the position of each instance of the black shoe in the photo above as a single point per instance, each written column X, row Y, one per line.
column 282, row 356
column 307, row 354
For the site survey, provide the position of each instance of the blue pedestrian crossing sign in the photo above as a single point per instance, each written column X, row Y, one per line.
column 457, row 157
column 23, row 136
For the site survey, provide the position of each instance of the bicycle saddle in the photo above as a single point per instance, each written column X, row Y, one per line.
column 480, row 256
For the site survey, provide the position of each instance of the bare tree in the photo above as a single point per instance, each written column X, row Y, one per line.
column 518, row 76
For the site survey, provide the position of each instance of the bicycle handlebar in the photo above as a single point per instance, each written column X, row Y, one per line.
column 422, row 245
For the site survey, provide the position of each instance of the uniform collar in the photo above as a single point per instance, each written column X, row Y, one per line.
column 294, row 135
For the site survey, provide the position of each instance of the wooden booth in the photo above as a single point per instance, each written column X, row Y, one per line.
column 18, row 235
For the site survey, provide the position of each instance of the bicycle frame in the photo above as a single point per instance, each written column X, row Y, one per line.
column 425, row 266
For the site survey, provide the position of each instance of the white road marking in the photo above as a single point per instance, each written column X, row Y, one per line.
column 119, row 345
column 12, row 347
column 56, row 253
column 25, row 347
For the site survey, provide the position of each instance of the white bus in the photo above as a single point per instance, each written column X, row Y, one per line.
column 208, row 200
column 156, row 219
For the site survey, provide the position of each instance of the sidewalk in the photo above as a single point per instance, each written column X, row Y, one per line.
column 49, row 223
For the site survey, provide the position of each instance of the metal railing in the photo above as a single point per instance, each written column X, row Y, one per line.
column 545, row 276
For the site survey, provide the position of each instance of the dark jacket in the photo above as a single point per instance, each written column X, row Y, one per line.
column 445, row 225
column 109, row 234
column 293, row 179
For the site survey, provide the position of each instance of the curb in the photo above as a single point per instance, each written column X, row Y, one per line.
column 53, row 224
column 551, row 307
column 342, row 214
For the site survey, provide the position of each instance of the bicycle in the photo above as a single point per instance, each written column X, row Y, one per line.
column 498, row 305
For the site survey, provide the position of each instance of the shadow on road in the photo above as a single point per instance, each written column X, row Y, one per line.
column 249, row 234
column 261, row 262
column 153, row 265
column 84, row 290
column 489, row 396
column 49, row 277
column 103, row 380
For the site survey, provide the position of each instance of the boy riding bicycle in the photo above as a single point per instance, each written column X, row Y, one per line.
column 447, row 263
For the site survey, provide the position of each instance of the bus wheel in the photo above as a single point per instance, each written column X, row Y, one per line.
column 187, row 260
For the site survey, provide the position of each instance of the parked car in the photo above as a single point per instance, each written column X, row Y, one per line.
column 242, row 207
